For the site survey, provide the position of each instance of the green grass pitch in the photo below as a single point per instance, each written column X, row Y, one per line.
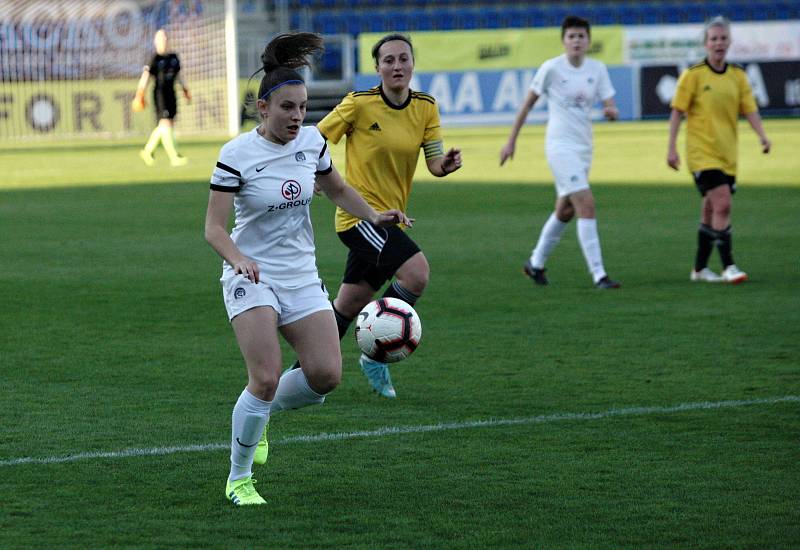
column 666, row 414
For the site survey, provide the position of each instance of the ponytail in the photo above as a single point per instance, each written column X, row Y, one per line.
column 283, row 56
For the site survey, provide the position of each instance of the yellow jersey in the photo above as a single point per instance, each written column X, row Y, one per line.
column 383, row 144
column 713, row 102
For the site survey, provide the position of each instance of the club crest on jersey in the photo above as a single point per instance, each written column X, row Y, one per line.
column 299, row 156
column 291, row 189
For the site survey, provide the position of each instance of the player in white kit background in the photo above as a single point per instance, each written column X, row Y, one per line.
column 269, row 278
column 572, row 84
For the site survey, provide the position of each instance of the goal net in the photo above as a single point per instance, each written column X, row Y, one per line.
column 69, row 69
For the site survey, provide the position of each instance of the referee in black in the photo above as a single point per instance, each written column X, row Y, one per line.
column 165, row 69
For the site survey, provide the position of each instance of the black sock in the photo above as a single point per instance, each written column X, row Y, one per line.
column 342, row 322
column 394, row 290
column 725, row 246
column 705, row 244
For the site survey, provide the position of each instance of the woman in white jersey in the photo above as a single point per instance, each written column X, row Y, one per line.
column 572, row 83
column 270, row 282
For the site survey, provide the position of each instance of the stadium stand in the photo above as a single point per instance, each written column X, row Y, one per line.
column 357, row 16
column 347, row 19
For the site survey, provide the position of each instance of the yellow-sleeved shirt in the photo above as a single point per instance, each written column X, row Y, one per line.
column 383, row 144
column 713, row 102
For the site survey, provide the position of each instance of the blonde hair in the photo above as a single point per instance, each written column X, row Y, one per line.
column 716, row 21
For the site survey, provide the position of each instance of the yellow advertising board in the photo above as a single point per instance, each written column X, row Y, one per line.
column 491, row 49
column 101, row 107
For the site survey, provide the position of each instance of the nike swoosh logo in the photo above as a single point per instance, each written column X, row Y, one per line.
column 243, row 445
column 260, row 169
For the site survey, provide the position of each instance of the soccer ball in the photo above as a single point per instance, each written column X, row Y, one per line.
column 388, row 330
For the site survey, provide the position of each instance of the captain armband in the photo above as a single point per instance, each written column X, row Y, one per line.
column 433, row 149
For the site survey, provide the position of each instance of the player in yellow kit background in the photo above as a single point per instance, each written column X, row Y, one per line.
column 712, row 95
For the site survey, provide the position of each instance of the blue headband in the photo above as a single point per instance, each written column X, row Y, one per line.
column 266, row 95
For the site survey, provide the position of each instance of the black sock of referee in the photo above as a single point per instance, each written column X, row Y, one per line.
column 705, row 244
column 396, row 291
column 725, row 246
column 342, row 323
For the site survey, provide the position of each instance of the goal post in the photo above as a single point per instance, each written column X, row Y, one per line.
column 69, row 69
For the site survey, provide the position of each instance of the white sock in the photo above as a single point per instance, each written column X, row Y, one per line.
column 250, row 416
column 590, row 244
column 294, row 392
column 548, row 239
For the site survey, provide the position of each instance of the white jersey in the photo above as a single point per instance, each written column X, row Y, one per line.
column 571, row 92
column 274, row 185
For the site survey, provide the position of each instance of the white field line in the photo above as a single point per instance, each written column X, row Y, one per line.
column 398, row 430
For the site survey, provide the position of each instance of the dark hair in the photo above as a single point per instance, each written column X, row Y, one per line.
column 389, row 38
column 571, row 21
column 283, row 55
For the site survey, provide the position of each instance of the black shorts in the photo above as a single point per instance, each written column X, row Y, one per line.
column 709, row 179
column 376, row 253
column 166, row 105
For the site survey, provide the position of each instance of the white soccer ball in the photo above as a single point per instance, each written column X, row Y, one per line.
column 388, row 330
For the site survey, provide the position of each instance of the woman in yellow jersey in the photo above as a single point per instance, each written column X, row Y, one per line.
column 386, row 127
column 711, row 95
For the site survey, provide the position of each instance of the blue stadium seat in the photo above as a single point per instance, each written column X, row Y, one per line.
column 652, row 17
column 534, row 16
column 420, row 20
column 396, row 22
column 511, row 18
column 675, row 15
column 329, row 23
column 554, row 15
column 375, row 23
column 354, row 23
column 331, row 61
column 695, row 13
column 357, row 16
column 493, row 18
column 760, row 14
column 470, row 19
column 631, row 14
column 605, row 15
column 445, row 23
column 783, row 11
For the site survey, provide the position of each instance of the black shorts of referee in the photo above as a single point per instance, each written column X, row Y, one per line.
column 166, row 104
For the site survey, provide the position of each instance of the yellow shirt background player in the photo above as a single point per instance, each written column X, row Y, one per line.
column 383, row 145
column 711, row 95
column 713, row 101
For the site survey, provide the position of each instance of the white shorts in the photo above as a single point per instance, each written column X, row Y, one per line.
column 570, row 169
column 291, row 304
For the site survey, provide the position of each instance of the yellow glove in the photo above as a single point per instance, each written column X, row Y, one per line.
column 138, row 104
